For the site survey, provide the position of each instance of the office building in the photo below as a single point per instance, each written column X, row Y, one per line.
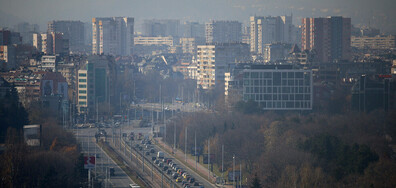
column 266, row 30
column 72, row 30
column 375, row 42
column 329, row 39
column 274, row 87
column 95, row 83
column 373, row 92
column 214, row 60
column 113, row 36
column 223, row 32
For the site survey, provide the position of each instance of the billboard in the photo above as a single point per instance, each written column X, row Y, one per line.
column 32, row 135
column 89, row 162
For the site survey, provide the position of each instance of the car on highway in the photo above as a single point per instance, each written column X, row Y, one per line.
column 178, row 179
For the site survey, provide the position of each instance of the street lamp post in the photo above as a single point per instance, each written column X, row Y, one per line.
column 233, row 170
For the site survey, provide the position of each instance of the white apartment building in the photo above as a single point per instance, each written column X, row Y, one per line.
column 376, row 42
column 266, row 30
column 148, row 41
column 213, row 61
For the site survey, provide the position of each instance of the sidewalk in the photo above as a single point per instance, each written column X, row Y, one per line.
column 190, row 162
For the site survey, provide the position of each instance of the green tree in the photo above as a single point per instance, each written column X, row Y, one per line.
column 256, row 182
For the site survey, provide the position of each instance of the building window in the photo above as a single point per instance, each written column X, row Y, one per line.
column 82, row 75
column 82, row 97
column 82, row 80
column 82, row 91
column 82, row 86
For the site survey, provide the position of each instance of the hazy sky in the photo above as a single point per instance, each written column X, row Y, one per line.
column 379, row 13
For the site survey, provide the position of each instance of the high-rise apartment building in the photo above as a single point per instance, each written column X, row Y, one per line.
column 214, row 60
column 72, row 30
column 113, row 36
column 266, row 30
column 26, row 30
column 223, row 32
column 161, row 28
column 328, row 38
column 51, row 43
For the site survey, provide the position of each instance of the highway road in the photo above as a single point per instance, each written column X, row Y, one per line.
column 86, row 137
column 147, row 133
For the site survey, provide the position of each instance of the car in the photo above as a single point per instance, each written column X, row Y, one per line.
column 196, row 184
column 175, row 175
column 156, row 161
column 192, row 180
column 183, row 182
column 153, row 158
column 140, row 148
column 152, row 150
column 148, row 146
column 178, row 179
column 165, row 168
column 160, row 164
column 147, row 153
column 164, row 159
column 185, row 175
column 187, row 185
column 168, row 161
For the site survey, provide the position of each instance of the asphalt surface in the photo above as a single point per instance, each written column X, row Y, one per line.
column 86, row 137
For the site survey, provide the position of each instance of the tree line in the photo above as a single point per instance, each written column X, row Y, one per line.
column 291, row 149
column 56, row 163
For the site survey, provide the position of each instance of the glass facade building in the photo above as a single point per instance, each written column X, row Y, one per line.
column 279, row 89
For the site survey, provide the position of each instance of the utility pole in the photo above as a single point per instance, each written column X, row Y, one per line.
column 195, row 149
column 240, row 175
column 174, row 138
column 233, row 170
column 222, row 164
column 209, row 159
column 185, row 146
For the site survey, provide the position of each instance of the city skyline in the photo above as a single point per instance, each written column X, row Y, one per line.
column 374, row 13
